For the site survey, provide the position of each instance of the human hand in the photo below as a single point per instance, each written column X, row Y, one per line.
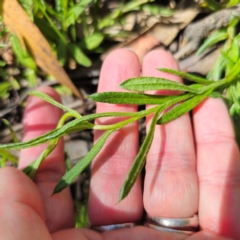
column 184, row 174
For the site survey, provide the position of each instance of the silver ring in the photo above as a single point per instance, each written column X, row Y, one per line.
column 160, row 228
column 111, row 227
column 189, row 223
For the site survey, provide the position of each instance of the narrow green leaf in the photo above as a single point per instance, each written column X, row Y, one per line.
column 62, row 53
column 61, row 5
column 188, row 76
column 234, row 51
column 140, row 159
column 53, row 102
column 7, row 155
column 78, row 55
column 215, row 95
column 82, row 164
column 75, row 11
column 216, row 37
column 153, row 83
column 232, row 3
column 93, row 41
column 216, row 72
column 234, row 72
column 68, row 128
column 134, row 98
column 23, row 57
column 4, row 89
column 46, row 29
column 212, row 4
column 30, row 76
column 74, row 125
column 13, row 133
column 183, row 108
column 32, row 168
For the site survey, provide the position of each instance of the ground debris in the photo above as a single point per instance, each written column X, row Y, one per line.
column 195, row 32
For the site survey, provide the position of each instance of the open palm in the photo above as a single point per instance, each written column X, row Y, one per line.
column 192, row 167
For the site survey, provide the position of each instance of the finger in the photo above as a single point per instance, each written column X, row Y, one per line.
column 111, row 166
column 41, row 117
column 135, row 233
column 22, row 210
column 170, row 187
column 218, row 169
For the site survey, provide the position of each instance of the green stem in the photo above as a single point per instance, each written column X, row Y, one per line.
column 121, row 124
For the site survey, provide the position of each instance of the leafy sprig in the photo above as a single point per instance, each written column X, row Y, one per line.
column 165, row 109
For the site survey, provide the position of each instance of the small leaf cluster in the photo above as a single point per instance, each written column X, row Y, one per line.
column 165, row 109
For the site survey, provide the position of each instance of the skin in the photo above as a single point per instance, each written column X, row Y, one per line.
column 191, row 167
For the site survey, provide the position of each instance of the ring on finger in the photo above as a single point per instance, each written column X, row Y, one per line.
column 178, row 225
column 104, row 228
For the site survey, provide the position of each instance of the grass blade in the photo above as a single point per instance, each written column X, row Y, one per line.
column 152, row 83
column 183, row 108
column 188, row 76
column 82, row 164
column 140, row 159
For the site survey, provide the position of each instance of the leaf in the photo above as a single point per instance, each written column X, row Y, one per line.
column 61, row 5
column 4, row 89
column 22, row 55
column 216, row 72
column 213, row 39
column 134, row 98
column 46, row 29
column 212, row 4
column 153, row 83
column 32, row 168
column 62, row 53
column 93, row 41
column 74, row 125
column 82, row 164
column 68, row 128
column 78, row 55
column 13, row 133
column 188, row 76
column 215, row 95
column 9, row 156
column 228, row 62
column 53, row 102
column 232, row 3
column 75, row 11
column 140, row 159
column 183, row 108
column 36, row 43
column 234, row 51
column 234, row 71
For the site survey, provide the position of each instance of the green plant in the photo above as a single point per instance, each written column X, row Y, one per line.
column 225, row 64
column 174, row 107
column 74, row 29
